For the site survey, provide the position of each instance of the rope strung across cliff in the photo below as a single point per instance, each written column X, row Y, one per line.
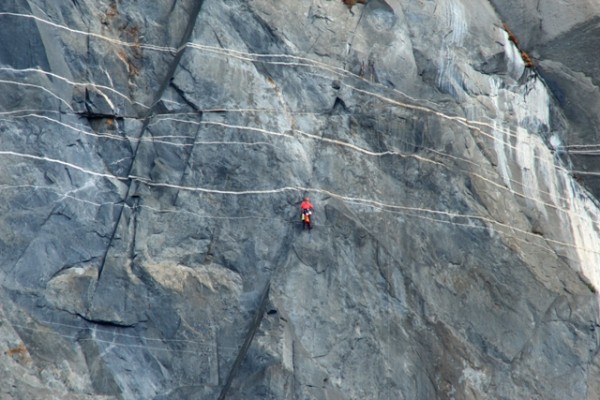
column 193, row 15
column 85, row 85
column 274, row 59
column 161, row 140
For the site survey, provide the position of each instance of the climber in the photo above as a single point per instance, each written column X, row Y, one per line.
column 306, row 210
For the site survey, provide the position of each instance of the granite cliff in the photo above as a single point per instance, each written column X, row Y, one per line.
column 154, row 155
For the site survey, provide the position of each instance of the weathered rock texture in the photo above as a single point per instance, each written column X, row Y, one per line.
column 561, row 37
column 154, row 154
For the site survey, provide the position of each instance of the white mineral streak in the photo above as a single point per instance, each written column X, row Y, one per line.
column 544, row 180
column 454, row 15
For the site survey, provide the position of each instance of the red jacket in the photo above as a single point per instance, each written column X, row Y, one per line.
column 306, row 205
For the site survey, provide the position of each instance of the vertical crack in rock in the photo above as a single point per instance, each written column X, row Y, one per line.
column 448, row 255
column 254, row 325
column 174, row 64
column 134, row 214
column 353, row 34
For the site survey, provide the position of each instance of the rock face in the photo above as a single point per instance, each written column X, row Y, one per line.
column 154, row 156
column 560, row 37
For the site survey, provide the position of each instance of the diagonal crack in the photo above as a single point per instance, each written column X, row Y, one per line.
column 254, row 325
column 152, row 110
column 353, row 34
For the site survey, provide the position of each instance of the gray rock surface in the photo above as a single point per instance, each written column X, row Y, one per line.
column 153, row 159
column 561, row 37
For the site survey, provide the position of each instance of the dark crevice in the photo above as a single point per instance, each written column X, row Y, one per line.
column 110, row 241
column 171, row 71
column 90, row 115
column 339, row 107
column 254, row 325
column 134, row 207
column 106, row 323
column 353, row 34
column 183, row 96
column 194, row 107
column 264, row 39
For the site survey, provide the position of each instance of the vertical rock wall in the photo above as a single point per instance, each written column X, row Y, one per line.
column 154, row 157
column 560, row 38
